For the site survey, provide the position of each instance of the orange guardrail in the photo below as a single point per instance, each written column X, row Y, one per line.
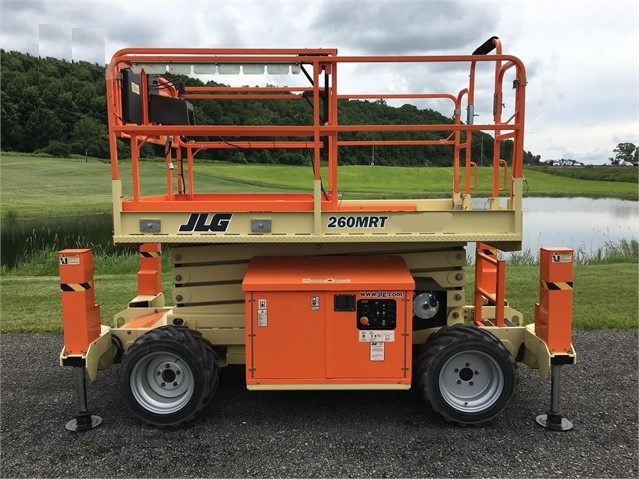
column 137, row 89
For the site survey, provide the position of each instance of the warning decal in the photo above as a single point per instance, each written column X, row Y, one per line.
column 77, row 287
column 555, row 286
column 70, row 259
column 377, row 351
column 376, row 336
column 562, row 258
column 262, row 314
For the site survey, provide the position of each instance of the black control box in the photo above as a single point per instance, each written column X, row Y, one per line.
column 376, row 314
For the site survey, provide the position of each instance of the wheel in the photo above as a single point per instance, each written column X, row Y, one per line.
column 168, row 375
column 466, row 374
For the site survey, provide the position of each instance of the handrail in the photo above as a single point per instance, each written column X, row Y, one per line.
column 505, row 165
column 473, row 167
column 322, row 136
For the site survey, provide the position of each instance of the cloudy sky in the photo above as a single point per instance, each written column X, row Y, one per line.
column 582, row 57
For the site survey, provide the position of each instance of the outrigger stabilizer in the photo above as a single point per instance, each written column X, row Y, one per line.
column 79, row 309
column 555, row 298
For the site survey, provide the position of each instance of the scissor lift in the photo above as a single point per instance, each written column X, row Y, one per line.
column 250, row 281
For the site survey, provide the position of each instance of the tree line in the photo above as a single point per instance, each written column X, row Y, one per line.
column 625, row 154
column 59, row 107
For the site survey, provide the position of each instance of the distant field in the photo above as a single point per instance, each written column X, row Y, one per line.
column 608, row 173
column 34, row 186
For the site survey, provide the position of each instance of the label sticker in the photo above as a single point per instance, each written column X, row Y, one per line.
column 261, row 304
column 262, row 317
column 135, row 88
column 376, row 336
column 562, row 258
column 315, row 303
column 377, row 351
column 71, row 259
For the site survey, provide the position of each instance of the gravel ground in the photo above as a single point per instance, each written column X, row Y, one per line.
column 321, row 434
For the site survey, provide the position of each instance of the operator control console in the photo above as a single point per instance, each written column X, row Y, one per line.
column 371, row 314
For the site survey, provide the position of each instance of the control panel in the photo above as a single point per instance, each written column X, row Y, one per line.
column 376, row 314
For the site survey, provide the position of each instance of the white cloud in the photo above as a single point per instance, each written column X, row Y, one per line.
column 583, row 84
column 582, row 58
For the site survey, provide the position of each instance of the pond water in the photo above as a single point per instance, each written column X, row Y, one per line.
column 583, row 224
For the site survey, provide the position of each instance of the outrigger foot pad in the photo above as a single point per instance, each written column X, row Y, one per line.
column 84, row 422
column 554, row 422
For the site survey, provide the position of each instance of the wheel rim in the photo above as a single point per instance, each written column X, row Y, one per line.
column 471, row 381
column 162, row 383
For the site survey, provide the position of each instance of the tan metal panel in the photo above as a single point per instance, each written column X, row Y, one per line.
column 325, row 387
column 235, row 355
column 209, row 274
column 222, row 310
column 508, row 240
column 222, row 253
column 208, row 293
column 426, row 261
column 208, row 321
column 224, row 336
column 299, row 227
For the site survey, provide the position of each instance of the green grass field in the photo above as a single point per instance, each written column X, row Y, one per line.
column 32, row 304
column 34, row 186
column 37, row 187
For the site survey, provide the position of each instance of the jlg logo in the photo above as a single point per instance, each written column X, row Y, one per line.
column 200, row 223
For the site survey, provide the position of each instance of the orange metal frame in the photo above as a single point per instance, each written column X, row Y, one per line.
column 553, row 312
column 322, row 136
column 80, row 313
column 490, row 283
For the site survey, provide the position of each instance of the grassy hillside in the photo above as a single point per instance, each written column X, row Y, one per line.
column 35, row 186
